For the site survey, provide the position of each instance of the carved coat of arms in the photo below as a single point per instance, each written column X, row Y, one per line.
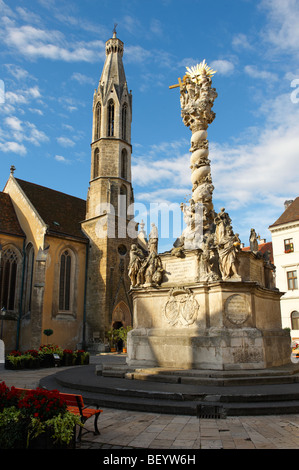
column 181, row 308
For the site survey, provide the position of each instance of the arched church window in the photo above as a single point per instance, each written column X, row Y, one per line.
column 98, row 121
column 123, row 166
column 295, row 320
column 111, row 119
column 96, row 163
column 124, row 122
column 28, row 281
column 65, row 281
column 8, row 279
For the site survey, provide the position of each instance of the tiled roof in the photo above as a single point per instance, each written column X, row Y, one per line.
column 62, row 213
column 9, row 223
column 291, row 214
column 263, row 248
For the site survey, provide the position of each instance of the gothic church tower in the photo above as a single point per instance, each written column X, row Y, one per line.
column 110, row 194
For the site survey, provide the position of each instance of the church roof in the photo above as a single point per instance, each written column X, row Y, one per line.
column 61, row 212
column 9, row 223
column 291, row 214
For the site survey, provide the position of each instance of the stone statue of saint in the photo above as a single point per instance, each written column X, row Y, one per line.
column 228, row 260
column 153, row 240
column 253, row 241
column 135, row 264
column 223, row 225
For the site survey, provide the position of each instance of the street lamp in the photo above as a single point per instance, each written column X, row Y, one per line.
column 3, row 313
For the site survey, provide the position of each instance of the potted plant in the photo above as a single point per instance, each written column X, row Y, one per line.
column 123, row 334
column 81, row 357
column 48, row 332
column 14, row 360
column 32, row 360
column 35, row 419
column 47, row 354
column 68, row 357
column 112, row 336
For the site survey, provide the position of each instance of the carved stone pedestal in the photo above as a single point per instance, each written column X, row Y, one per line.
column 219, row 325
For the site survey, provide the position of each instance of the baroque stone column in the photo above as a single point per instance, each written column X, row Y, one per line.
column 197, row 98
column 208, row 232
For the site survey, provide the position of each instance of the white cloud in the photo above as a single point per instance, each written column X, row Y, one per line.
column 61, row 159
column 13, row 147
column 22, row 131
column 35, row 43
column 65, row 141
column 283, row 24
column 35, row 136
column 240, row 41
column 14, row 123
column 24, row 96
column 254, row 72
column 223, row 67
column 81, row 78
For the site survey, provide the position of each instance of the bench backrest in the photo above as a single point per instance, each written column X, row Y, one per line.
column 72, row 400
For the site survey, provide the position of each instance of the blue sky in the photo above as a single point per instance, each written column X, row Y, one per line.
column 52, row 54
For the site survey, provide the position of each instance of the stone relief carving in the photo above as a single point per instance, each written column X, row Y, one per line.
column 181, row 307
column 237, row 309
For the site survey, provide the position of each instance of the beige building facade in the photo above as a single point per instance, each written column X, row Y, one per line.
column 285, row 242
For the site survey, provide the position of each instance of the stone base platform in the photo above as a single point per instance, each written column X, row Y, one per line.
column 276, row 375
column 103, row 383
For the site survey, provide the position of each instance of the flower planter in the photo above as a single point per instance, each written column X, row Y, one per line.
column 45, row 441
column 16, row 365
column 47, row 360
column 32, row 363
column 67, row 359
column 86, row 359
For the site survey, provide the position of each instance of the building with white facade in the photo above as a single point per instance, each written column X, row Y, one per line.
column 285, row 244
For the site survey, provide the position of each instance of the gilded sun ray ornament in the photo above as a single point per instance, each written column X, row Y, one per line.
column 196, row 72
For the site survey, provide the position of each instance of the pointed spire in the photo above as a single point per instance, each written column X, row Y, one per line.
column 113, row 74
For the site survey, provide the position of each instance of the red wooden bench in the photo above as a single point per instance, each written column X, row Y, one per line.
column 75, row 405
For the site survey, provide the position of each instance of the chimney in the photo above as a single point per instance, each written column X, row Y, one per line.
column 288, row 203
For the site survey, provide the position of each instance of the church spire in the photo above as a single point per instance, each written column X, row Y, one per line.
column 111, row 136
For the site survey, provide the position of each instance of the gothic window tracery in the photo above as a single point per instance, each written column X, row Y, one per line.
column 123, row 168
column 124, row 122
column 111, row 118
column 98, row 121
column 96, row 163
column 8, row 279
column 65, row 281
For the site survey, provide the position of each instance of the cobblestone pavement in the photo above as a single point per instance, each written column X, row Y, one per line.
column 125, row 429
column 140, row 430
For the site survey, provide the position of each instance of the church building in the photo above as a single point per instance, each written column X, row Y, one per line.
column 64, row 260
